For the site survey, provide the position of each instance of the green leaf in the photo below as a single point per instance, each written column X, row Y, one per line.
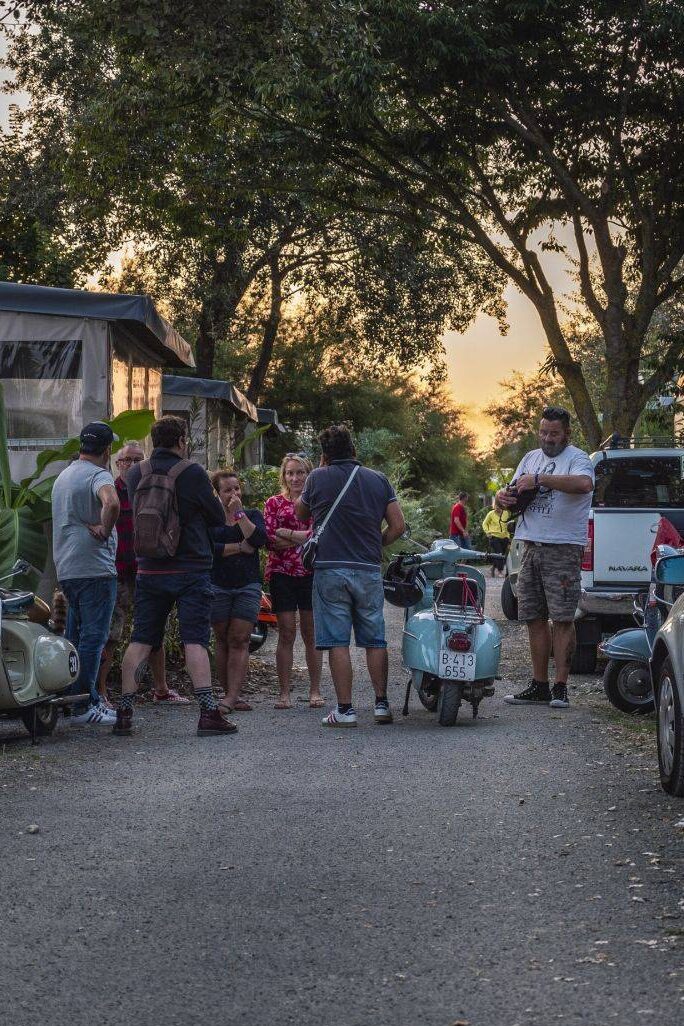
column 131, row 426
column 21, row 536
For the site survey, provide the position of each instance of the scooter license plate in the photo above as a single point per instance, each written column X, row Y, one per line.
column 456, row 665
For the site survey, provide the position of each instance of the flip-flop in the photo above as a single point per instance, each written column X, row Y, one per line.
column 316, row 703
column 283, row 705
column 240, row 706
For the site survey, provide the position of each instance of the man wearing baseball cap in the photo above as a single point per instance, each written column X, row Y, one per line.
column 85, row 507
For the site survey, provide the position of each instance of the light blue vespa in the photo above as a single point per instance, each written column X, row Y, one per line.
column 452, row 607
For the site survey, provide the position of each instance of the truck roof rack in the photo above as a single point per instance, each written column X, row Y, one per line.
column 616, row 441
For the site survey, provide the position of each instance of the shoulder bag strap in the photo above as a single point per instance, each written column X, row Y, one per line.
column 337, row 501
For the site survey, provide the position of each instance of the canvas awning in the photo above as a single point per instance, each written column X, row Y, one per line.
column 208, row 388
column 136, row 314
column 266, row 416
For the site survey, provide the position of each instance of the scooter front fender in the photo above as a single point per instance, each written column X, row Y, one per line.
column 628, row 644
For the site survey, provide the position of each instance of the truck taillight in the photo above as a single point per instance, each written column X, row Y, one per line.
column 588, row 557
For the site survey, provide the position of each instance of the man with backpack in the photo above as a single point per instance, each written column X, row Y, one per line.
column 174, row 508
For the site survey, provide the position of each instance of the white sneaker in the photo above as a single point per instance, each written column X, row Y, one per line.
column 98, row 714
column 338, row 719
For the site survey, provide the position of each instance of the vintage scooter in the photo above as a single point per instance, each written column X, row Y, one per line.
column 627, row 677
column 37, row 664
column 450, row 648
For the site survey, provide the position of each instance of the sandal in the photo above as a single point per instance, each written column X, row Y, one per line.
column 240, row 706
column 171, row 697
column 317, row 702
column 283, row 703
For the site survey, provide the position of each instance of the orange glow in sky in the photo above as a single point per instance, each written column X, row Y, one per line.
column 481, row 357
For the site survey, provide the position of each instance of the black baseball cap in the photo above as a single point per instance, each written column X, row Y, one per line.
column 96, row 437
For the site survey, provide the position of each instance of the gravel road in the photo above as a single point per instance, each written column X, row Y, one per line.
column 524, row 868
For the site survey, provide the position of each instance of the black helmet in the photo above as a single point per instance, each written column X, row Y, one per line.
column 404, row 586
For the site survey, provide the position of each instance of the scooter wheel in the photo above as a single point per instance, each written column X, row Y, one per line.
column 258, row 636
column 628, row 686
column 449, row 703
column 46, row 718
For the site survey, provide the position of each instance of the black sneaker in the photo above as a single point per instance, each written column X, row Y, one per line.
column 559, row 697
column 536, row 693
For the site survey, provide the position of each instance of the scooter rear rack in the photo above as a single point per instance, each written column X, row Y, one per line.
column 468, row 614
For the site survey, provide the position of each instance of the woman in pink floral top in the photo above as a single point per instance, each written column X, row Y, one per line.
column 290, row 584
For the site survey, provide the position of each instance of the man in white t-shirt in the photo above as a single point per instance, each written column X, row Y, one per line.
column 559, row 479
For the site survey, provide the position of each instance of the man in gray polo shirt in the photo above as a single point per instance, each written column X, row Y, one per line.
column 347, row 588
column 85, row 507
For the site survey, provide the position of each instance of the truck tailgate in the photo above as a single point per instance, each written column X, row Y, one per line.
column 623, row 539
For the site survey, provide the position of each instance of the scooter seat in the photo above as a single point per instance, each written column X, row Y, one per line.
column 16, row 601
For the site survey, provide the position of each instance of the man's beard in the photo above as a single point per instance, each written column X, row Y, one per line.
column 553, row 448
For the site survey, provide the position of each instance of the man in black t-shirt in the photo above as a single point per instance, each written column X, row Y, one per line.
column 347, row 588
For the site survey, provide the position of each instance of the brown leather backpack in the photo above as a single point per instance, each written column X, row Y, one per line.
column 156, row 521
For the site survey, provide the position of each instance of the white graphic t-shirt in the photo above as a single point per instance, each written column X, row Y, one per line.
column 552, row 516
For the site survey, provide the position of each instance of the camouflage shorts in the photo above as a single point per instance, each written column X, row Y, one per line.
column 549, row 582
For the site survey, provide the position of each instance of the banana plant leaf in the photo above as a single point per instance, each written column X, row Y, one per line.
column 21, row 536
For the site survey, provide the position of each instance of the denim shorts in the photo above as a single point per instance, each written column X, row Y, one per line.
column 235, row 603
column 155, row 597
column 345, row 598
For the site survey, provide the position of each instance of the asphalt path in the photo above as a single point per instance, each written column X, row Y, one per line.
column 517, row 869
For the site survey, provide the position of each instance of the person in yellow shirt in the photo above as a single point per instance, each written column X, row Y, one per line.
column 495, row 526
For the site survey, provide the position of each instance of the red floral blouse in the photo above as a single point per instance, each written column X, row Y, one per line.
column 279, row 512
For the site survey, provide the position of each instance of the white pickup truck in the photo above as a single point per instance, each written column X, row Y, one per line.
column 634, row 488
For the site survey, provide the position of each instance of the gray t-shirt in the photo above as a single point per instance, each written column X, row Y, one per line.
column 75, row 505
column 553, row 516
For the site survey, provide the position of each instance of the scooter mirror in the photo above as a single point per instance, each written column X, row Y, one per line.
column 406, row 533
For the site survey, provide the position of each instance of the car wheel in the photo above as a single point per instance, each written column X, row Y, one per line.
column 628, row 686
column 509, row 603
column 670, row 720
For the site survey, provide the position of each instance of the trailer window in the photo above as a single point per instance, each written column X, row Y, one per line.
column 651, row 482
column 42, row 383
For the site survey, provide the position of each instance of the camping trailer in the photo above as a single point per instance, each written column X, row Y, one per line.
column 216, row 412
column 69, row 356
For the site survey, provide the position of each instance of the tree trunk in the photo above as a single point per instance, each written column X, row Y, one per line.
column 260, row 370
column 571, row 372
column 226, row 283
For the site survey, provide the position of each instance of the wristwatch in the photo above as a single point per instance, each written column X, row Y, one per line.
column 240, row 514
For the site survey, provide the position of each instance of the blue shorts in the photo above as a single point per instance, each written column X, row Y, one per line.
column 235, row 603
column 155, row 597
column 345, row 598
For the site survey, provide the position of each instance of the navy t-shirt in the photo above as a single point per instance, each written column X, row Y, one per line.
column 353, row 535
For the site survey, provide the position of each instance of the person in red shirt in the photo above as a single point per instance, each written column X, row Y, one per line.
column 127, row 457
column 290, row 583
column 458, row 530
